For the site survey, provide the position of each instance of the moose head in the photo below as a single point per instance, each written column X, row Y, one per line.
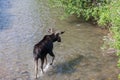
column 55, row 34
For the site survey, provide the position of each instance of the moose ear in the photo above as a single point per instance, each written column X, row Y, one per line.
column 51, row 30
column 62, row 32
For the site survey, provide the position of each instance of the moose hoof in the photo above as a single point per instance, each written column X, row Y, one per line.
column 50, row 63
column 36, row 78
column 42, row 72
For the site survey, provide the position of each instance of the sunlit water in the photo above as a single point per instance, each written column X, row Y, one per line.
column 78, row 57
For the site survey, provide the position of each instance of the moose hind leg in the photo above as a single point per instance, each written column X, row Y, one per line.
column 46, row 59
column 36, row 68
column 42, row 63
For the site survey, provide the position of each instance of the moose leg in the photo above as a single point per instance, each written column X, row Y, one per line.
column 52, row 54
column 36, row 67
column 46, row 59
column 42, row 63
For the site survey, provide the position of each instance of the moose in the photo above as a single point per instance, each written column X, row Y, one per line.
column 44, row 47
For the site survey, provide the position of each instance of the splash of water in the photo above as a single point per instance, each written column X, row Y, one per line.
column 45, row 69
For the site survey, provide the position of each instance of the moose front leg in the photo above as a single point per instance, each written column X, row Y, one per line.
column 53, row 57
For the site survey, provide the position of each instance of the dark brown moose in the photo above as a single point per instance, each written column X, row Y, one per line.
column 44, row 47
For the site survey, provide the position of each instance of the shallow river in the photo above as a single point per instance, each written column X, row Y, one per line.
column 78, row 57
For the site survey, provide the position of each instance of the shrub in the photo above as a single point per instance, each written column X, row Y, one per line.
column 115, row 17
column 97, row 10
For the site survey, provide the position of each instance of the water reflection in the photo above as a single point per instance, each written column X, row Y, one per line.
column 68, row 67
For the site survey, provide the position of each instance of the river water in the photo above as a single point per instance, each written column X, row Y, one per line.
column 78, row 57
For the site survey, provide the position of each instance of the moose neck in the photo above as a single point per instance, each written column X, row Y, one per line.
column 53, row 37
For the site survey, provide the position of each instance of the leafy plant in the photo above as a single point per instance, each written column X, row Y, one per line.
column 115, row 17
column 97, row 10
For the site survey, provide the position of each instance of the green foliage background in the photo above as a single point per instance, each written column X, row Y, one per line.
column 96, row 10
column 115, row 17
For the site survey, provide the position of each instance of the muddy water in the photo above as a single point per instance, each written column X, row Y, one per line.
column 78, row 56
